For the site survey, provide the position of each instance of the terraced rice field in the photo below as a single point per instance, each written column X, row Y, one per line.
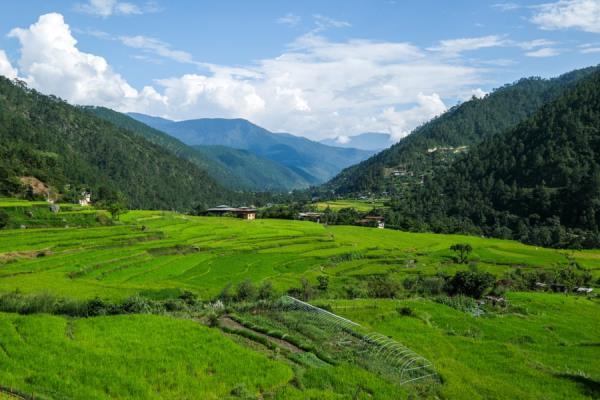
column 359, row 205
column 547, row 347
column 154, row 252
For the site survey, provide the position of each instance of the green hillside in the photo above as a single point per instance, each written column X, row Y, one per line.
column 437, row 143
column 104, row 313
column 539, row 182
column 67, row 148
column 233, row 168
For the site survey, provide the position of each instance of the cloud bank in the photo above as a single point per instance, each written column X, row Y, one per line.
column 316, row 87
column 569, row 14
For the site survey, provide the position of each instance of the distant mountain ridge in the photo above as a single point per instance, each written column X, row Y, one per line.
column 371, row 141
column 314, row 161
column 233, row 168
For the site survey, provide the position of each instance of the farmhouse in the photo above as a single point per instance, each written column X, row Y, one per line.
column 310, row 216
column 372, row 220
column 248, row 213
column 86, row 199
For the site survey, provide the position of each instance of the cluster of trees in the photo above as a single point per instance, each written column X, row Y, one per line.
column 538, row 183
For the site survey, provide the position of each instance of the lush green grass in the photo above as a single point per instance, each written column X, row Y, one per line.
column 141, row 357
column 548, row 349
column 118, row 261
column 359, row 205
column 546, row 346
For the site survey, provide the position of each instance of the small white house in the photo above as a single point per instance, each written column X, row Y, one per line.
column 86, row 199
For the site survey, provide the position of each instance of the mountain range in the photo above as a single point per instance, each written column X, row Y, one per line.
column 233, row 168
column 314, row 162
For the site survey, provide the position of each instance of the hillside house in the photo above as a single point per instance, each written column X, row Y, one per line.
column 86, row 199
column 248, row 213
column 310, row 216
column 373, row 221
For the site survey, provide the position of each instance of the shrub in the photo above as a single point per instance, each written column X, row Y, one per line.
column 245, row 291
column 382, row 286
column 266, row 291
column 323, row 284
column 4, row 219
column 470, row 283
column 190, row 298
column 405, row 311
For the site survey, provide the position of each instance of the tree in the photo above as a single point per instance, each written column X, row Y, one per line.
column 4, row 218
column 266, row 291
column 471, row 283
column 246, row 291
column 462, row 250
column 323, row 282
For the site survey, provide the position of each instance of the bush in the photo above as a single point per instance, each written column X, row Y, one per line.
column 382, row 286
column 4, row 219
column 245, row 291
column 323, row 284
column 266, row 291
column 405, row 311
column 471, row 283
column 190, row 298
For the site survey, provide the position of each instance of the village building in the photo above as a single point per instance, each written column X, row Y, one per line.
column 310, row 216
column 248, row 213
column 86, row 199
column 372, row 220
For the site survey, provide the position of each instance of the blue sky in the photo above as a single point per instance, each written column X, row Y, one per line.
column 314, row 68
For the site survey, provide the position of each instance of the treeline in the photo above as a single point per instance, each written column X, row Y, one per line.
column 538, row 183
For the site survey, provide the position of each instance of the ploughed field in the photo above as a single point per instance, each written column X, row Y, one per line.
column 545, row 345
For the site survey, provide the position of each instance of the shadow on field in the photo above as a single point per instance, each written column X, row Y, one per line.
column 588, row 386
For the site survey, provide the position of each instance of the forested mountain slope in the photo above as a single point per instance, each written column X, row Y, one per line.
column 539, row 182
column 233, row 168
column 314, row 161
column 66, row 147
column 435, row 144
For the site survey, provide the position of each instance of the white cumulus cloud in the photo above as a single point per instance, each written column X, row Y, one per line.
column 566, row 14
column 402, row 122
column 6, row 67
column 51, row 62
column 316, row 87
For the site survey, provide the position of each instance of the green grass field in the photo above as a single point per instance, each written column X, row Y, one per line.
column 359, row 205
column 545, row 346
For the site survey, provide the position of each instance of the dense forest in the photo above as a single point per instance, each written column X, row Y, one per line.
column 233, row 168
column 538, row 183
column 437, row 143
column 71, row 150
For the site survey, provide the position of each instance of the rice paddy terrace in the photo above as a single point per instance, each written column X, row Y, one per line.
column 546, row 346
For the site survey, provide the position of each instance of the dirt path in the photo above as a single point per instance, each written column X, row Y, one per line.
column 227, row 322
